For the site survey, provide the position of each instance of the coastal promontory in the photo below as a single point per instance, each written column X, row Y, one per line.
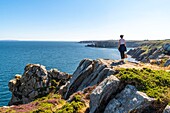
column 96, row 86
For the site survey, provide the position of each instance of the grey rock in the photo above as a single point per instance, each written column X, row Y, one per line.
column 102, row 75
column 34, row 82
column 167, row 109
column 156, row 54
column 89, row 81
column 12, row 84
column 88, row 73
column 101, row 94
column 54, row 73
column 166, row 48
column 138, row 52
column 131, row 52
column 167, row 63
column 129, row 100
column 84, row 69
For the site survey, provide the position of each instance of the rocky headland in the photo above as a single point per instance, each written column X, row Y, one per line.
column 147, row 51
column 154, row 52
column 96, row 86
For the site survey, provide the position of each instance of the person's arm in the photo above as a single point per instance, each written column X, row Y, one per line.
column 118, row 44
column 125, row 42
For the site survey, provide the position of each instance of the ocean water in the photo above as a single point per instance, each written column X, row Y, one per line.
column 65, row 56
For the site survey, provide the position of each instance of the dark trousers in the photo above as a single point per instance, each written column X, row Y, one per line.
column 122, row 54
column 122, row 50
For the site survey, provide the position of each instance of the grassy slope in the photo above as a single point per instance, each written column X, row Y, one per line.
column 148, row 45
column 155, row 83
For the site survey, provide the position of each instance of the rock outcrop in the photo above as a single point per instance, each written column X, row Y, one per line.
column 129, row 100
column 166, row 48
column 95, row 80
column 88, row 73
column 102, row 93
column 35, row 82
column 110, row 95
column 151, row 53
column 167, row 63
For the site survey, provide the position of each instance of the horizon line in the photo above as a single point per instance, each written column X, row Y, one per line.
column 74, row 40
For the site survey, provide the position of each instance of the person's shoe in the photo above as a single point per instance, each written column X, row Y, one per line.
column 122, row 62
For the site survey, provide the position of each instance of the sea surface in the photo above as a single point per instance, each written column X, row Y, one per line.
column 65, row 56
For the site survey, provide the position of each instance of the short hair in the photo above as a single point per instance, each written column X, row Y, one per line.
column 121, row 36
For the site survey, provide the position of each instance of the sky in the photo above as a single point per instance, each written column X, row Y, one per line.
column 76, row 20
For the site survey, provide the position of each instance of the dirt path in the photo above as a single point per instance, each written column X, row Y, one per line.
column 117, row 64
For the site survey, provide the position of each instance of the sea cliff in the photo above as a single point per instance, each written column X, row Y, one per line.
column 96, row 86
column 154, row 52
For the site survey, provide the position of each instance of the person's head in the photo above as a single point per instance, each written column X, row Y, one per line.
column 121, row 36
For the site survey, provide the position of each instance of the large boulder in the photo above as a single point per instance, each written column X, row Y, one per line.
column 35, row 82
column 102, row 93
column 26, row 88
column 129, row 100
column 84, row 69
column 88, row 73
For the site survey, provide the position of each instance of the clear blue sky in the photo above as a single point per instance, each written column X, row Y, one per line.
column 74, row 20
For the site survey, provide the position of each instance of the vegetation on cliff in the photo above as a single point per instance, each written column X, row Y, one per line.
column 52, row 103
column 155, row 83
column 155, row 52
column 154, row 44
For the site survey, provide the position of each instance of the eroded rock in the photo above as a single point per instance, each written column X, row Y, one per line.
column 88, row 73
column 129, row 100
column 167, row 63
column 35, row 82
column 102, row 93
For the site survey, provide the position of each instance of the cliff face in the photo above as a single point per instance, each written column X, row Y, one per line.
column 98, row 81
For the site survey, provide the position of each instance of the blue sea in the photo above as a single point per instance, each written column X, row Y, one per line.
column 65, row 56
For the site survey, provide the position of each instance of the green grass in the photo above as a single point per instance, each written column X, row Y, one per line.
column 73, row 107
column 155, row 83
column 52, row 103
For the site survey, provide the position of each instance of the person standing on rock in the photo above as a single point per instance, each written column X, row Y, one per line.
column 122, row 48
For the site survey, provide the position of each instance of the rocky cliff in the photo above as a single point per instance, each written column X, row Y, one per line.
column 147, row 51
column 154, row 52
column 104, row 86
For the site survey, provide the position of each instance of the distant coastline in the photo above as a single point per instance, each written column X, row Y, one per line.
column 114, row 43
column 8, row 40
